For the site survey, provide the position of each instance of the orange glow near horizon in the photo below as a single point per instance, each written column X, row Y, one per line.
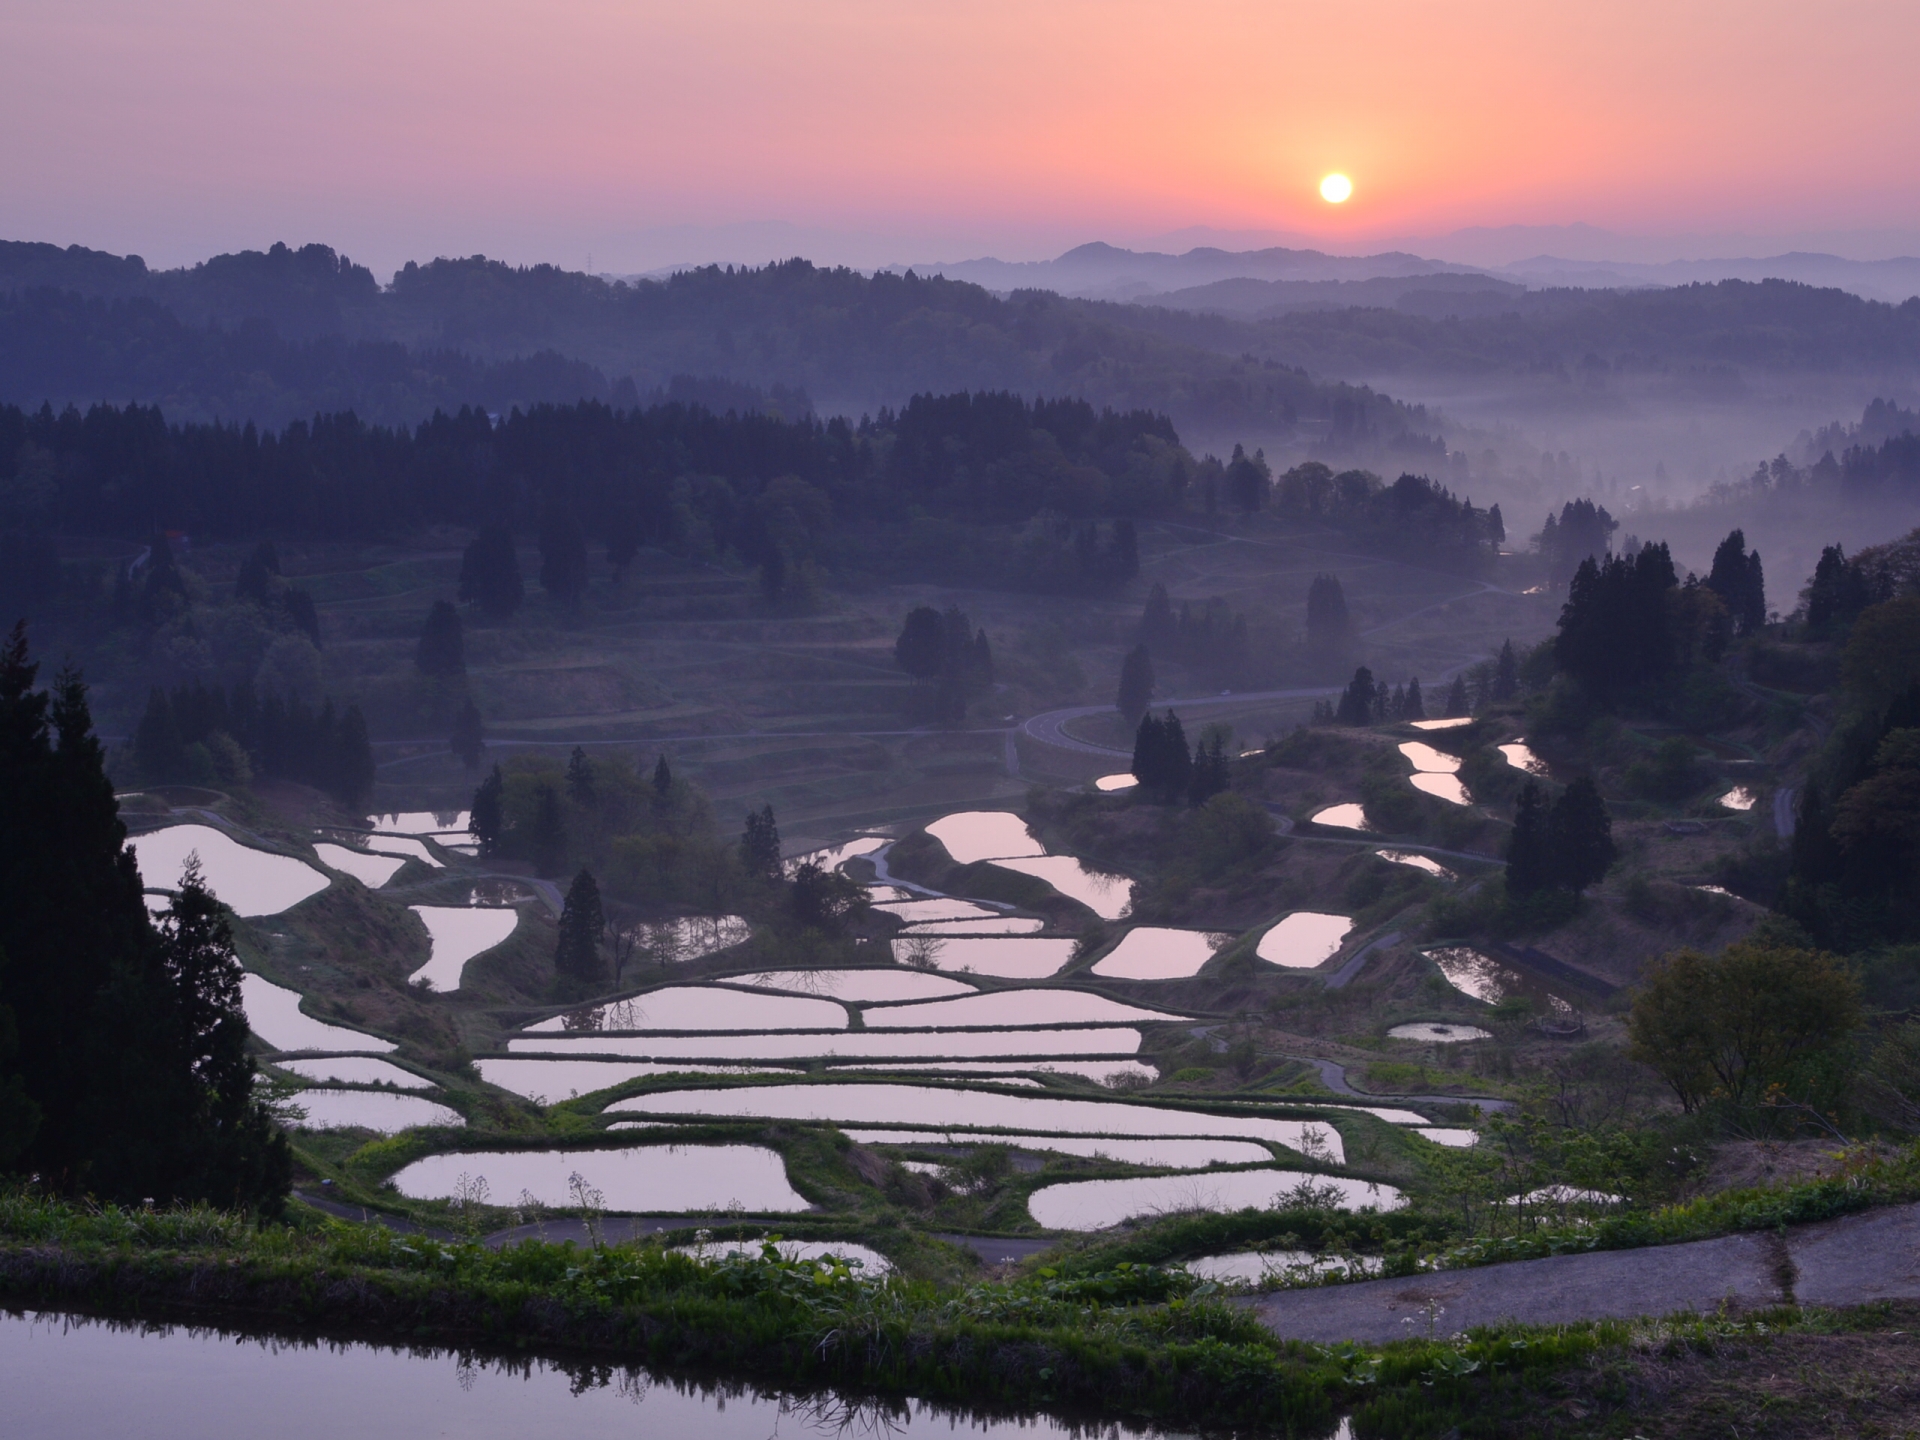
column 422, row 126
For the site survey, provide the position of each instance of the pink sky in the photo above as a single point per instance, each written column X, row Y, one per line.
column 926, row 129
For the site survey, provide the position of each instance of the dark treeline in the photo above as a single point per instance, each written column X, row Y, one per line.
column 208, row 735
column 830, row 331
column 1169, row 772
column 1413, row 519
column 1210, row 640
column 1861, row 472
column 950, row 660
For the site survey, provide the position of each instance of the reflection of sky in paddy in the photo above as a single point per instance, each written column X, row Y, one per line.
column 701, row 1007
column 1452, row 723
column 1442, row 787
column 1097, row 1204
column 1418, row 862
column 842, row 1045
column 1485, row 978
column 1304, row 939
column 971, row 835
column 1520, row 755
column 1108, row 896
column 1738, row 798
column 1350, row 816
column 1438, row 1034
column 1012, row 957
column 253, row 882
column 1122, row 781
column 1425, row 758
column 662, row 1178
column 1154, row 952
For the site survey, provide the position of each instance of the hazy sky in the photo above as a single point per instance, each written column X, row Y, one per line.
column 880, row 130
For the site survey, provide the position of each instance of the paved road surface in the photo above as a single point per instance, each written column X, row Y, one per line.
column 1851, row 1261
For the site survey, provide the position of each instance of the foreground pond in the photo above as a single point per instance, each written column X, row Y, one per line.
column 65, row 1377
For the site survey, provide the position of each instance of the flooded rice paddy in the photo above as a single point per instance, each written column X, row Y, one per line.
column 868, row 1260
column 65, row 1377
column 354, row 1070
column 1011, row 1007
column 973, row 835
column 1149, row 1154
column 674, row 942
column 369, row 869
column 834, row 856
column 1101, row 1072
column 857, row 985
column 701, row 1007
column 957, row 1107
column 1449, row 1136
column 943, row 908
column 549, row 1081
column 851, row 1045
column 1485, row 978
column 377, row 1110
column 1521, row 757
column 455, row 934
column 639, row 1179
column 1154, row 952
column 1304, row 939
column 1108, row 896
column 421, row 822
column 1436, row 1034
column 1100, row 1204
column 1273, row 1268
column 1113, row 783
column 998, row 925
column 1738, row 798
column 1350, row 816
column 252, row 882
column 1441, row 787
column 1418, row 862
column 274, row 1014
column 1453, row 722
column 1425, row 758
column 1016, row 957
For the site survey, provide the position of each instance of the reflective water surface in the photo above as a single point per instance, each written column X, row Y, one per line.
column 370, row 1110
column 549, row 1081
column 1452, row 723
column 1438, row 1034
column 354, row 1070
column 1097, row 1204
column 1441, row 787
column 846, row 1045
column 253, row 882
column 1521, row 757
column 1101, row 1072
column 641, row 1178
column 998, row 925
column 1739, row 798
column 971, row 835
column 1418, row 862
column 1108, row 896
column 1351, row 816
column 1156, row 1154
column 870, row 1261
column 1304, row 939
column 370, row 870
column 1485, row 978
column 274, row 1014
column 70, row 1377
column 1110, row 783
column 1012, row 1007
column 939, row 908
column 941, row 1106
column 1019, row 957
column 1425, row 758
column 455, row 934
column 1154, row 952
column 857, row 985
column 701, row 1007
column 421, row 822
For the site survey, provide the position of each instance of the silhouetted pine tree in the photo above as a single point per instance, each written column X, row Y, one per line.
column 469, row 740
column 1457, row 698
column 549, row 838
column 1413, row 707
column 1581, row 836
column 580, row 783
column 443, row 648
column 582, row 922
column 1136, row 684
column 760, row 845
column 1357, row 701
column 487, row 824
column 1530, row 861
column 662, row 778
column 490, row 575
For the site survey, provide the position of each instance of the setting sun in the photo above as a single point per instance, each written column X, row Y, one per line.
column 1335, row 188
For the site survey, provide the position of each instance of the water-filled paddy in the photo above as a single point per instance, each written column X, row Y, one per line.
column 998, row 925
column 887, row 894
column 640, row 1179
column 1098, row 1204
column 547, row 1082
column 1485, row 978
column 1418, row 862
column 1441, row 787
column 65, row 1377
column 1521, row 757
column 1015, row 957
column 834, row 856
column 1101, row 1072
column 371, row 1110
column 421, row 822
column 1108, row 896
column 253, row 882
column 1112, row 783
column 942, row 1107
column 1451, row 723
column 1304, row 939
column 846, row 1045
column 370, row 870
column 354, row 1070
column 457, row 933
column 674, row 942
column 274, row 1014
column 1151, row 1154
column 942, row 908
column 1154, row 952
column 1011, row 1007
column 701, row 1007
column 1425, row 758
column 412, row 849
column 1436, row 1034
column 1449, row 1136
column 856, row 985
column 1350, row 816
column 1738, row 798
column 971, row 835
column 1279, row 1267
